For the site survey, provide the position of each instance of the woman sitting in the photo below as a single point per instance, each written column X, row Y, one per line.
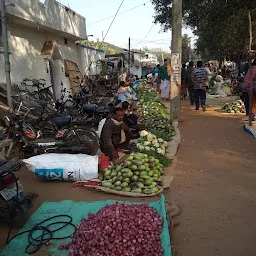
column 126, row 93
column 130, row 118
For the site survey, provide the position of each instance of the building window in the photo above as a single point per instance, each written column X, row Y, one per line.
column 65, row 41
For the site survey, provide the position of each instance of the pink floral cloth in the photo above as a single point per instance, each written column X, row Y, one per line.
column 247, row 80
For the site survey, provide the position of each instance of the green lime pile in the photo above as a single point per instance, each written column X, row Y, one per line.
column 140, row 173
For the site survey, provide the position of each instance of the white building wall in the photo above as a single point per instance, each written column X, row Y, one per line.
column 136, row 70
column 151, row 59
column 88, row 56
column 52, row 14
column 26, row 61
column 59, row 77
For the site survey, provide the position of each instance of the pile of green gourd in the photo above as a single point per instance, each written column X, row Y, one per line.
column 140, row 173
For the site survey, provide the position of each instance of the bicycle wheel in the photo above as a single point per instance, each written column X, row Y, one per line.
column 85, row 139
column 45, row 95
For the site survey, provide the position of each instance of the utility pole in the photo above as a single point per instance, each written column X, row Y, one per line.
column 129, row 56
column 190, row 49
column 6, row 53
column 176, row 60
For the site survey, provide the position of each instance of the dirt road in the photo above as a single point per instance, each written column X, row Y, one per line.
column 215, row 183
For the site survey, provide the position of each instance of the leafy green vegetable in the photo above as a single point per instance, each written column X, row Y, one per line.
column 165, row 161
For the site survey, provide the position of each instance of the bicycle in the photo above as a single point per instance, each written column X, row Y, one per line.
column 28, row 136
column 42, row 92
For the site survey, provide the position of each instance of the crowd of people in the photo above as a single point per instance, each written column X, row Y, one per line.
column 118, row 129
column 121, row 126
column 194, row 81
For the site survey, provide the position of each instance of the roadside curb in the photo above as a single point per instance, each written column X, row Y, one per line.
column 175, row 142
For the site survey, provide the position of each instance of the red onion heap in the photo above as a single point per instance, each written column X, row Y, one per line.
column 118, row 230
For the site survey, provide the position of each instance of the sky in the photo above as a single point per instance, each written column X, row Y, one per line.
column 136, row 23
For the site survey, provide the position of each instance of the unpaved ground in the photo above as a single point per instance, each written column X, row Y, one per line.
column 215, row 183
column 218, row 103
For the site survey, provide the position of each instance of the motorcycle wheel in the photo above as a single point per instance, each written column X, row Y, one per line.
column 85, row 139
column 14, row 153
column 21, row 213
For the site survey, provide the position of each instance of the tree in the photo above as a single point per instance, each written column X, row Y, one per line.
column 185, row 48
column 221, row 25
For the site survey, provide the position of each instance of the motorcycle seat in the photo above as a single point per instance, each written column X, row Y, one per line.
column 63, row 120
column 9, row 165
column 102, row 109
column 43, row 103
column 89, row 107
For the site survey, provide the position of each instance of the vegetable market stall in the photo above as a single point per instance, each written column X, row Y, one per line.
column 142, row 173
column 85, row 212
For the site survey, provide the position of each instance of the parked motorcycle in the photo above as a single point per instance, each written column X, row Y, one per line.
column 83, row 114
column 13, row 203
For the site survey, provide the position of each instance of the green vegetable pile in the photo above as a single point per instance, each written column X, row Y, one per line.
column 163, row 134
column 140, row 173
column 153, row 113
column 236, row 106
column 141, row 85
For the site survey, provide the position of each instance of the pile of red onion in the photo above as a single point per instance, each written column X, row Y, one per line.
column 118, row 230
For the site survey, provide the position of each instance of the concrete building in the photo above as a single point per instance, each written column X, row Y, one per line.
column 43, row 40
column 136, row 67
column 149, row 60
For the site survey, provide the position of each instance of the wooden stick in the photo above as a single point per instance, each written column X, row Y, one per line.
column 250, row 65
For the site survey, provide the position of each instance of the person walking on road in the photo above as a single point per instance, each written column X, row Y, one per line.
column 246, row 90
column 183, row 84
column 165, row 81
column 189, row 83
column 156, row 82
column 199, row 78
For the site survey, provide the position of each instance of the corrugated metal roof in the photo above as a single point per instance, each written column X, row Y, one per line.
column 92, row 48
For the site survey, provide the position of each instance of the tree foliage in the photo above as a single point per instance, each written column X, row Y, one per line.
column 185, row 48
column 221, row 25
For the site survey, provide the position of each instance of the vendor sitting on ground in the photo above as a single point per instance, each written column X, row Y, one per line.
column 124, row 94
column 136, row 82
column 130, row 117
column 219, row 85
column 115, row 135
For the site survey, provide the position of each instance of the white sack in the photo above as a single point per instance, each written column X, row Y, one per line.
column 68, row 167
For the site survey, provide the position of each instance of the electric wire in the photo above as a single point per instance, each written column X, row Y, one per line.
column 106, row 33
column 145, row 35
column 135, row 7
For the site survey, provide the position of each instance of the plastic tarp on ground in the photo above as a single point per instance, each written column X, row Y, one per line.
column 250, row 129
column 77, row 210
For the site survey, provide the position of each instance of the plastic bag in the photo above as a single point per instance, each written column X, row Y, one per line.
column 104, row 162
column 66, row 167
